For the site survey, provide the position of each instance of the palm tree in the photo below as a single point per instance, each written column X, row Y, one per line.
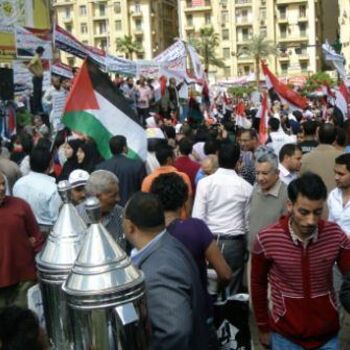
column 128, row 46
column 258, row 48
column 205, row 42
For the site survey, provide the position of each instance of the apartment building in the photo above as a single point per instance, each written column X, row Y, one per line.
column 98, row 23
column 344, row 29
column 297, row 27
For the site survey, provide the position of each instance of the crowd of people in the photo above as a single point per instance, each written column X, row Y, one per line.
column 270, row 218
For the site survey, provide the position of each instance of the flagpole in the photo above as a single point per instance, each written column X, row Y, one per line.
column 179, row 18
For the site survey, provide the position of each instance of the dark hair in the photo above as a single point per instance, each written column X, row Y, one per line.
column 169, row 131
column 274, row 124
column 92, row 157
column 228, row 155
column 185, row 146
column 252, row 133
column 343, row 159
column 288, row 150
column 163, row 153
column 39, row 159
column 327, row 133
column 19, row 329
column 26, row 142
column 39, row 49
column 145, row 211
column 201, row 134
column 211, row 146
column 309, row 128
column 44, row 143
column 308, row 185
column 153, row 143
column 117, row 143
column 171, row 190
column 340, row 136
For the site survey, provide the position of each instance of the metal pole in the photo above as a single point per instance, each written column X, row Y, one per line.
column 179, row 18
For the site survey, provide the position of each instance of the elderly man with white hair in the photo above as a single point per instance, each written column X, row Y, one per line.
column 104, row 185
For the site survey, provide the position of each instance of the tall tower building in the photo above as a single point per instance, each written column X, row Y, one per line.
column 297, row 27
column 152, row 23
column 344, row 29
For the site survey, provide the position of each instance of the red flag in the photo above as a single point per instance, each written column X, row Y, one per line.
column 262, row 114
column 286, row 94
column 240, row 109
column 342, row 100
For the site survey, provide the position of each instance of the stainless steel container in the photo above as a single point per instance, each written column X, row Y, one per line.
column 54, row 263
column 105, row 293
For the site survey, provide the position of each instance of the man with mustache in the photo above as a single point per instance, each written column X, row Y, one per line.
column 295, row 257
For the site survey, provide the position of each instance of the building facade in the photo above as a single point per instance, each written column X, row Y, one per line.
column 344, row 29
column 297, row 27
column 99, row 23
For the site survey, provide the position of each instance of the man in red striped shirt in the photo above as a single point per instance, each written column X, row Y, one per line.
column 295, row 257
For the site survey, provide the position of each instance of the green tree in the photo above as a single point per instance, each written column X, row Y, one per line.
column 128, row 46
column 317, row 80
column 257, row 48
column 205, row 42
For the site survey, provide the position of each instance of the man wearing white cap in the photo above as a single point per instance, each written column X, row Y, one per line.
column 78, row 179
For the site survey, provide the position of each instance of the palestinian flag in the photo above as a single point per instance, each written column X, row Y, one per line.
column 96, row 109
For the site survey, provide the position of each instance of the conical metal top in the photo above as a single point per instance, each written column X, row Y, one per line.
column 102, row 274
column 64, row 241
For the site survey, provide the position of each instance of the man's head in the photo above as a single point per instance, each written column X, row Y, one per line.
column 185, row 146
column 290, row 157
column 210, row 164
column 266, row 168
column 211, row 146
column 307, row 195
column 309, row 128
column 40, row 159
column 118, row 145
column 40, row 50
column 171, row 190
column 142, row 81
column 229, row 154
column 78, row 179
column 327, row 134
column 104, row 185
column 56, row 82
column 165, row 155
column 2, row 187
column 249, row 140
column 342, row 171
column 38, row 120
column 130, row 81
column 274, row 124
column 143, row 218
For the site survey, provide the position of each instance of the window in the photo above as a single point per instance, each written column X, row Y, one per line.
column 69, row 28
column 189, row 20
column 82, row 10
column 138, row 25
column 117, row 8
column 103, row 44
column 284, row 68
column 227, row 71
column 245, row 34
column 246, row 70
column 83, row 28
column 102, row 9
column 224, row 16
column 67, row 12
column 304, row 66
column 102, row 28
column 118, row 25
column 302, row 29
column 283, row 31
column 283, row 12
column 263, row 31
column 207, row 2
column 207, row 18
column 225, row 34
column 137, row 7
column 85, row 42
column 302, row 11
column 71, row 61
column 226, row 52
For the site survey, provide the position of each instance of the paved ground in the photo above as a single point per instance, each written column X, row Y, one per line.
column 344, row 334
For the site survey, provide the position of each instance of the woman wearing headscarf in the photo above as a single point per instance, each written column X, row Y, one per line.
column 70, row 152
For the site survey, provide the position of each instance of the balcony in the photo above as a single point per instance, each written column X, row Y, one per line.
column 244, row 21
column 138, row 31
column 190, row 9
column 100, row 35
column 136, row 13
column 58, row 3
column 98, row 16
column 288, row 2
column 283, row 57
column 68, row 19
column 242, row 3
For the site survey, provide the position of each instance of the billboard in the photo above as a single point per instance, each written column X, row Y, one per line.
column 25, row 13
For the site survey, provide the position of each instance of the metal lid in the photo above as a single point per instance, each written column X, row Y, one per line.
column 64, row 241
column 102, row 274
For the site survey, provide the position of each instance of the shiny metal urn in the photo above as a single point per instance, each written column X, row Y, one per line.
column 54, row 263
column 106, row 293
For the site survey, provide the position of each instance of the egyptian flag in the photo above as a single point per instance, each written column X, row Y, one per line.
column 342, row 100
column 262, row 114
column 96, row 109
column 285, row 94
column 241, row 119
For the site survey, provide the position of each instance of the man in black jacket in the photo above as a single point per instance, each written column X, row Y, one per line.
column 130, row 172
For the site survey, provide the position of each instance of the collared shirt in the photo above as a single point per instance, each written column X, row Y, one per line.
column 111, row 221
column 296, row 239
column 285, row 175
column 338, row 212
column 40, row 191
column 136, row 255
column 222, row 202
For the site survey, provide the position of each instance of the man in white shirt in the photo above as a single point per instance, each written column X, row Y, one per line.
column 39, row 189
column 222, row 201
column 290, row 162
